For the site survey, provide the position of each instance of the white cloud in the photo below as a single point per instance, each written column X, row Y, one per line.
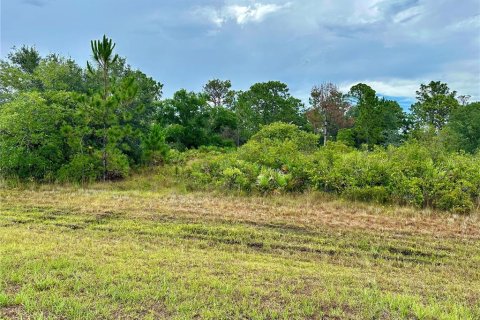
column 469, row 23
column 388, row 87
column 407, row 14
column 462, row 82
column 240, row 14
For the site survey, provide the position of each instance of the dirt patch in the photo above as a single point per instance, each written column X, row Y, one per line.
column 13, row 312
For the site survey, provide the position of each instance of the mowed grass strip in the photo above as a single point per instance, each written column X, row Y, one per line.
column 108, row 253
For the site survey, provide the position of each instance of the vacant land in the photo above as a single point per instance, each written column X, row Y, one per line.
column 110, row 251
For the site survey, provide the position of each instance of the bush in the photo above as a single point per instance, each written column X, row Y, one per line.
column 270, row 180
column 31, row 142
column 283, row 132
column 411, row 174
column 346, row 136
column 117, row 165
column 82, row 168
column 154, row 146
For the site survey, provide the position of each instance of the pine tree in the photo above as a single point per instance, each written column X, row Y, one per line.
column 102, row 51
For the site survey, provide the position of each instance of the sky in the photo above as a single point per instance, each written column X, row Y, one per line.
column 392, row 45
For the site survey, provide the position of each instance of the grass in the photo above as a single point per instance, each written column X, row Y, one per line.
column 145, row 248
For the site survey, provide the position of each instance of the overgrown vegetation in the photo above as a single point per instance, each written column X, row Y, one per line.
column 282, row 158
column 63, row 123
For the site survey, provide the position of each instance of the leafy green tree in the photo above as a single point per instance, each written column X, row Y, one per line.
column 346, row 136
column 52, row 73
column 435, row 103
column 31, row 142
column 377, row 121
column 222, row 126
column 219, row 92
column 142, row 110
column 366, row 113
column 265, row 103
column 27, row 58
column 463, row 129
column 186, row 118
column 191, row 122
column 16, row 72
column 58, row 73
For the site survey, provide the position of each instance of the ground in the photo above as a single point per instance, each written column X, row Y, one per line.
column 113, row 251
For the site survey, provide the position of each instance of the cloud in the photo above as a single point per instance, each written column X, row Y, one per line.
column 393, row 45
column 408, row 14
column 471, row 22
column 240, row 14
column 35, row 3
column 388, row 87
column 462, row 82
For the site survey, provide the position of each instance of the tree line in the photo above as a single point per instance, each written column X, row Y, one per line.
column 62, row 122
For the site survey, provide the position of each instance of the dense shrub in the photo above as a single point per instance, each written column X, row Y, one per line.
column 82, row 168
column 412, row 174
column 31, row 145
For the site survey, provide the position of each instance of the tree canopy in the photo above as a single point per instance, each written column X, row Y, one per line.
column 62, row 122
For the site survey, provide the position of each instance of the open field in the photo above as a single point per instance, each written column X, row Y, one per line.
column 112, row 251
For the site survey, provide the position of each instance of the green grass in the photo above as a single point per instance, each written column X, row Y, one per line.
column 104, row 252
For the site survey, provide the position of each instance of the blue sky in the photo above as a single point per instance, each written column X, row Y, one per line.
column 392, row 45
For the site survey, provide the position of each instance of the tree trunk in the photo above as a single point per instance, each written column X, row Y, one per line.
column 104, row 155
column 325, row 133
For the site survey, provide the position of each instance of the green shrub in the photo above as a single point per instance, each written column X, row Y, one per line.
column 271, row 162
column 346, row 136
column 282, row 132
column 271, row 180
column 82, row 168
column 117, row 165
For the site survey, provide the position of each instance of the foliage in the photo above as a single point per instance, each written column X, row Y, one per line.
column 219, row 92
column 31, row 144
column 190, row 122
column 329, row 110
column 27, row 58
column 61, row 122
column 463, row 130
column 346, row 136
column 411, row 174
column 265, row 103
column 377, row 121
column 435, row 103
column 156, row 149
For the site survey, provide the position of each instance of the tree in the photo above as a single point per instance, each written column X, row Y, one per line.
column 51, row 73
column 328, row 110
column 219, row 92
column 435, row 103
column 27, row 58
column 222, row 126
column 31, row 141
column 185, row 117
column 366, row 113
column 156, row 149
column 265, row 103
column 56, row 73
column 463, row 130
column 102, row 51
column 377, row 121
column 16, row 73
